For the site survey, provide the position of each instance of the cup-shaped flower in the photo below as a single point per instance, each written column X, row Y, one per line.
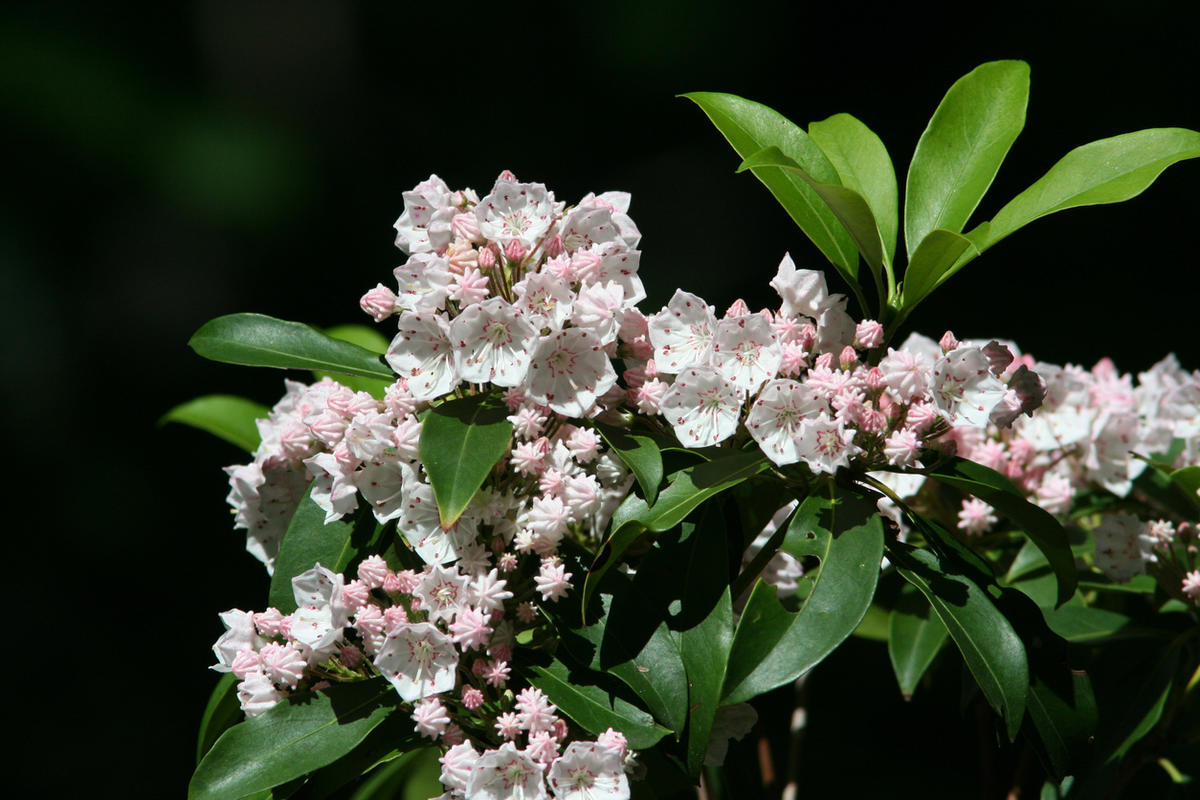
column 491, row 343
column 702, row 407
column 419, row 660
column 568, row 371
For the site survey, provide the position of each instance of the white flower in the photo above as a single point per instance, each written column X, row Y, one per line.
column 588, row 771
column 421, row 525
column 382, row 484
column 774, row 419
column 803, row 291
column 702, row 407
column 257, row 693
column 568, row 371
column 420, row 204
column 421, row 354
column 239, row 634
column 321, row 612
column 516, row 211
column 745, row 352
column 333, row 488
column 597, row 308
column 491, row 343
column 442, row 591
column 825, row 444
column 963, row 386
column 424, row 283
column 506, row 774
column 544, row 300
column 419, row 660
column 682, row 333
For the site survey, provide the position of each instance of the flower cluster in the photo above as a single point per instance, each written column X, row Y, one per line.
column 800, row 380
column 444, row 640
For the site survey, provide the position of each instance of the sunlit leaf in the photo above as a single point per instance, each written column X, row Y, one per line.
column 226, row 416
column 461, row 440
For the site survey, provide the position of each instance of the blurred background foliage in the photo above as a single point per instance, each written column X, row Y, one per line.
column 168, row 163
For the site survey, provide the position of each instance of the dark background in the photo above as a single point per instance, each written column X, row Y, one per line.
column 168, row 164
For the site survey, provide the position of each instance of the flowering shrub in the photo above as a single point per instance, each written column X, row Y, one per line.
column 568, row 544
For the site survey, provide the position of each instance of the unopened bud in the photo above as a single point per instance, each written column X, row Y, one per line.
column 380, row 303
column 848, row 357
column 947, row 342
column 868, row 334
column 486, row 259
column 515, row 251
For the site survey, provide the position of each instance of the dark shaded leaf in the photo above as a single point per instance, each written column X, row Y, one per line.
column 915, row 637
column 222, row 712
column 594, row 708
column 990, row 647
column 640, row 453
column 1037, row 523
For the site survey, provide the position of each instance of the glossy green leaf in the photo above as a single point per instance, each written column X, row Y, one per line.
column 990, row 647
column 915, row 637
column 962, row 148
column 874, row 625
column 655, row 672
column 1076, row 622
column 225, row 416
column 299, row 735
column 389, row 741
column 256, row 340
column 687, row 489
column 594, row 708
column 1038, row 524
column 640, row 453
column 461, row 440
column 846, row 204
column 940, row 254
column 368, row 339
column 749, row 127
column 222, row 712
column 412, row 776
column 1105, row 171
column 705, row 651
column 863, row 164
column 772, row 645
column 309, row 541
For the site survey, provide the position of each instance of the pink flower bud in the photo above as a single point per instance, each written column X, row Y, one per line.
column 487, row 258
column 466, row 226
column 585, row 266
column 554, row 247
column 506, row 175
column 947, row 342
column 807, row 337
column 244, row 662
column 875, row 381
column 350, row 655
column 380, row 303
column 737, row 309
column 824, row 361
column 356, row 594
column 848, row 357
column 267, row 622
column 462, row 257
column 515, row 251
column 472, row 698
column 868, row 334
column 372, row 571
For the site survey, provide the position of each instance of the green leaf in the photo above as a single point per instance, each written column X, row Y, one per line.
column 846, row 204
column 461, row 440
column 940, row 254
column 1037, row 523
column 1076, row 622
column 1105, row 171
column 989, row 645
column 1064, row 718
column 874, row 625
column 772, row 645
column 594, row 708
column 962, row 148
column 389, row 741
column 749, row 127
column 368, row 339
column 640, row 453
column 915, row 637
column 308, row 541
column 1188, row 479
column 225, row 416
column 688, row 488
column 221, row 713
column 256, row 340
column 705, row 651
column 299, row 735
column 862, row 164
column 655, row 672
column 412, row 776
